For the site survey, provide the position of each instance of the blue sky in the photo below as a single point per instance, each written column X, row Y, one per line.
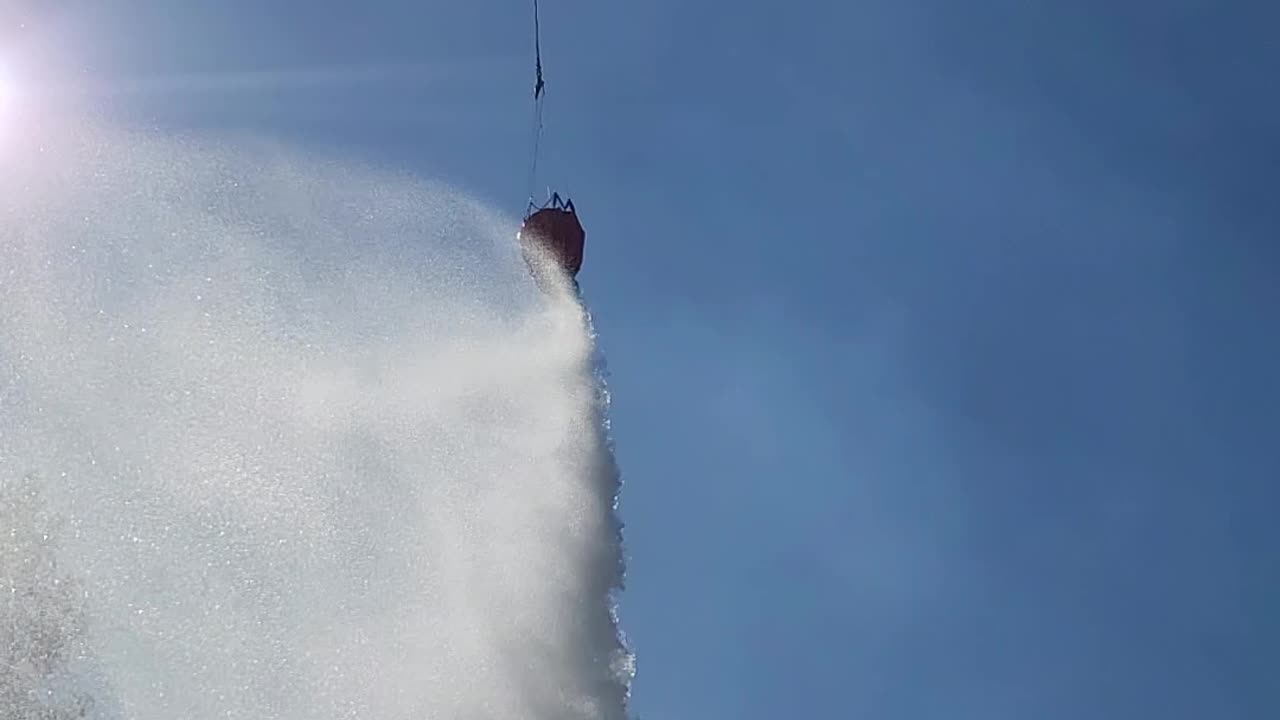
column 942, row 335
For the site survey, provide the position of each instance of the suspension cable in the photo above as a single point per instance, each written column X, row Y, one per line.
column 538, row 91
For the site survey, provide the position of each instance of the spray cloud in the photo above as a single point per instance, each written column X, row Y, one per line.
column 284, row 439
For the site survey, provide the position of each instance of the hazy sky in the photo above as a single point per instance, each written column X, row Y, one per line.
column 943, row 336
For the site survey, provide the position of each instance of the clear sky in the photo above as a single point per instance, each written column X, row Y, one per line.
column 943, row 335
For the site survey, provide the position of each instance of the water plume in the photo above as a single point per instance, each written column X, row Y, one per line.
column 290, row 438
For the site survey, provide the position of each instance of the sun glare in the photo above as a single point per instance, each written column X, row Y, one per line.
column 8, row 96
column 8, row 91
column 9, row 105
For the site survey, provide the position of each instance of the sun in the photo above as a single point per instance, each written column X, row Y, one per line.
column 10, row 105
column 8, row 91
